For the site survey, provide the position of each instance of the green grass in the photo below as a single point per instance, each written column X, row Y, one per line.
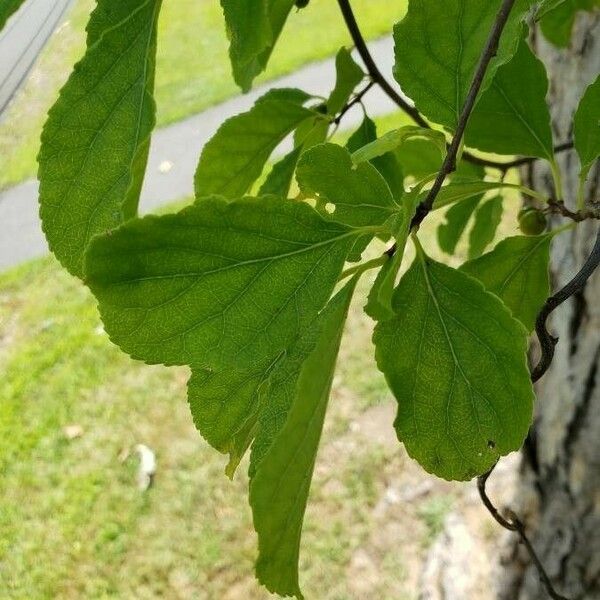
column 193, row 69
column 73, row 523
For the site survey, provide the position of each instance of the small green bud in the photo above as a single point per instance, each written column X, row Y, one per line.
column 301, row 3
column 532, row 221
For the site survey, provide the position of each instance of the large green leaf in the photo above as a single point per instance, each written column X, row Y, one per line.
column 516, row 270
column 96, row 140
column 253, row 28
column 359, row 193
column 234, row 157
column 218, row 285
column 348, row 76
column 283, row 456
column 438, row 48
column 587, row 128
column 486, row 221
column 456, row 361
column 7, row 8
column 512, row 116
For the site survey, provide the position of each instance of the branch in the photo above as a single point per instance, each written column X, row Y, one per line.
column 409, row 109
column 558, row 207
column 449, row 165
column 357, row 98
column 513, row 523
column 547, row 340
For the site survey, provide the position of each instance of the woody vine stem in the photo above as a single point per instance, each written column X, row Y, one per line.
column 511, row 522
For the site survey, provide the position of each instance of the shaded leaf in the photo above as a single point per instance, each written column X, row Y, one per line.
column 512, row 116
column 348, row 76
column 253, row 28
column 487, row 219
column 456, row 220
column 7, row 8
column 436, row 57
column 557, row 23
column 96, row 139
column 235, row 156
column 516, row 270
column 286, row 447
column 387, row 164
column 218, row 285
column 279, row 180
column 587, row 128
column 456, row 361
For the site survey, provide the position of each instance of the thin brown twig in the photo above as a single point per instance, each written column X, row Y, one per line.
column 558, row 207
column 409, row 109
column 356, row 100
column 513, row 523
column 449, row 165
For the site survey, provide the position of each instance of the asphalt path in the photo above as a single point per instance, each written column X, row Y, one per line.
column 174, row 154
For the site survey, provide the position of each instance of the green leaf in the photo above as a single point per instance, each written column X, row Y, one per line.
column 279, row 180
column 7, row 8
column 392, row 140
column 348, row 76
column 487, row 220
column 235, row 156
column 96, row 139
column 557, row 22
column 456, row 220
column 586, row 128
column 387, row 164
column 285, row 450
column 437, row 52
column 311, row 132
column 218, row 285
column 456, row 361
column 512, row 116
column 253, row 28
column 463, row 189
column 360, row 194
column 379, row 302
column 516, row 270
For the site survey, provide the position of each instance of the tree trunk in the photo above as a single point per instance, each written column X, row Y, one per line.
column 559, row 493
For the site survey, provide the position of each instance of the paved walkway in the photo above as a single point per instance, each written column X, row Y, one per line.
column 178, row 145
column 23, row 38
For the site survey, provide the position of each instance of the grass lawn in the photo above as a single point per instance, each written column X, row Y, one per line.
column 192, row 67
column 73, row 523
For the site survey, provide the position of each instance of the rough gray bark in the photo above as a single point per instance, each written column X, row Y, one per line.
column 559, row 493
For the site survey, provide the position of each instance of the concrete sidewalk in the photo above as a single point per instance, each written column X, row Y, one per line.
column 179, row 146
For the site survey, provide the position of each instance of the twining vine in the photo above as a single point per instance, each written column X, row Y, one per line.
column 250, row 285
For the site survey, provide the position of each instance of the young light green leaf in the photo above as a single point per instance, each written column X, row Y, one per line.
column 379, row 302
column 360, row 194
column 285, row 450
column 219, row 285
column 487, row 220
column 456, row 220
column 586, row 128
column 280, row 178
column 437, row 53
column 311, row 132
column 7, row 8
column 512, row 116
column 456, row 361
column 387, row 164
column 348, row 76
column 516, row 271
column 392, row 140
column 234, row 157
column 253, row 27
column 463, row 189
column 96, row 139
